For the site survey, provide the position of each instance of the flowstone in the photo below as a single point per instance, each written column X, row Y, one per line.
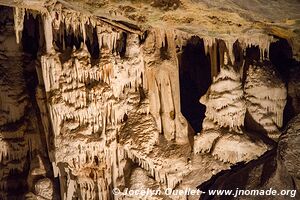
column 222, row 134
column 266, row 96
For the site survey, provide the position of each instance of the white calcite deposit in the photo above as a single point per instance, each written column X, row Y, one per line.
column 222, row 134
column 224, row 100
column 105, row 111
column 266, row 96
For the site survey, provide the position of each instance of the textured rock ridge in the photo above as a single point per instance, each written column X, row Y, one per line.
column 266, row 96
column 222, row 133
column 278, row 169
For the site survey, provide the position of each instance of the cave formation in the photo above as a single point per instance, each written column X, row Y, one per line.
column 102, row 95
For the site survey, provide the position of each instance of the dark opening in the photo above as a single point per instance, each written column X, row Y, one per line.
column 238, row 55
column 30, row 35
column 121, row 44
column 65, row 44
column 69, row 40
column 31, row 48
column 6, row 17
column 30, row 45
column 238, row 51
column 93, row 45
column 142, row 38
column 252, row 55
column 195, row 79
column 72, row 40
column 281, row 56
column 14, row 180
column 164, row 51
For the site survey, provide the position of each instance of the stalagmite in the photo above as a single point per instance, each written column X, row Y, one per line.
column 225, row 98
column 222, row 134
column 91, row 96
column 266, row 98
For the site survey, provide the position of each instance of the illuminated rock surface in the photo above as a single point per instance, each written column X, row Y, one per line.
column 278, row 169
column 91, row 93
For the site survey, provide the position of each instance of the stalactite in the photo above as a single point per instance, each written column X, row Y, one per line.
column 48, row 33
column 91, row 99
column 213, row 60
column 19, row 14
column 90, row 104
column 208, row 43
column 107, row 38
column 229, row 50
column 51, row 67
column 261, row 40
column 169, row 120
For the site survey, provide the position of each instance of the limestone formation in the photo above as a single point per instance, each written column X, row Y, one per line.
column 278, row 169
column 293, row 89
column 266, row 97
column 222, row 134
column 91, row 96
column 288, row 150
column 224, row 101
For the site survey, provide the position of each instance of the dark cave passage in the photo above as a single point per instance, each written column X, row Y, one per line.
column 93, row 45
column 281, row 56
column 18, row 66
column 12, row 179
column 30, row 47
column 164, row 53
column 195, row 79
column 121, row 45
column 31, row 34
column 33, row 46
column 252, row 55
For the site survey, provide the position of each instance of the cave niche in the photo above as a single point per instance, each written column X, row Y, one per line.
column 195, row 79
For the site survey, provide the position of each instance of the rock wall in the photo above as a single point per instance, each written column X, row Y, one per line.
column 278, row 169
column 23, row 158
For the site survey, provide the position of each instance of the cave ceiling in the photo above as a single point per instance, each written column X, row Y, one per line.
column 222, row 19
